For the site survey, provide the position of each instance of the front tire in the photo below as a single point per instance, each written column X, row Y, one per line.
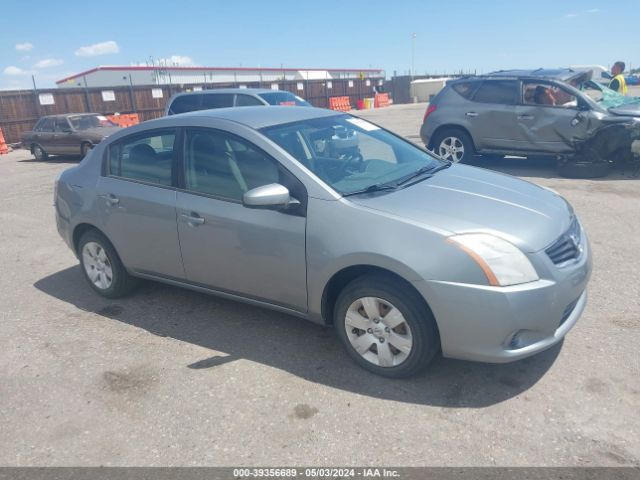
column 385, row 327
column 453, row 145
column 39, row 153
column 102, row 266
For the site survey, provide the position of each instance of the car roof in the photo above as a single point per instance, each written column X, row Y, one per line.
column 260, row 116
column 553, row 73
column 254, row 91
column 58, row 115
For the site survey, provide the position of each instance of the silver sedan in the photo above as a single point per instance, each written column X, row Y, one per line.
column 331, row 218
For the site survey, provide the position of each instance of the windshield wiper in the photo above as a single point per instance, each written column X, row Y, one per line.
column 421, row 171
column 378, row 187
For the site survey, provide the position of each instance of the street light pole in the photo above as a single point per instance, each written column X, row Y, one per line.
column 413, row 55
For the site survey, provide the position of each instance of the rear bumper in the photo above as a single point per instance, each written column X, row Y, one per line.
column 504, row 324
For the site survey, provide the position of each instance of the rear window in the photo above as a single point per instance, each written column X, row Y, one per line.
column 185, row 103
column 498, row 91
column 217, row 100
column 283, row 98
column 466, row 89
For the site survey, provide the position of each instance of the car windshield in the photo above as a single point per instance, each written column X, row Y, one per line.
column 606, row 97
column 283, row 98
column 352, row 155
column 84, row 122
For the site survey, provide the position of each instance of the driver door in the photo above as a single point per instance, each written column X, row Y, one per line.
column 255, row 253
column 551, row 121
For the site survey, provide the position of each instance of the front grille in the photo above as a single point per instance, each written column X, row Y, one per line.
column 567, row 247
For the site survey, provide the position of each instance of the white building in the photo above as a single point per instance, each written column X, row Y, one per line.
column 113, row 76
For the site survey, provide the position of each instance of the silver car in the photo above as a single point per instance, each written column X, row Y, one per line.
column 331, row 218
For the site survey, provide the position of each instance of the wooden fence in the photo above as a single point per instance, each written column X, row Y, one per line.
column 21, row 109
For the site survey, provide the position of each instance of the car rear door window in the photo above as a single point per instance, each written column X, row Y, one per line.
column 146, row 158
column 222, row 165
column 503, row 92
column 243, row 100
column 185, row 103
column 217, row 100
column 466, row 89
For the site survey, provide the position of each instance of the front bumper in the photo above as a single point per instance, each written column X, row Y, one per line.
column 504, row 324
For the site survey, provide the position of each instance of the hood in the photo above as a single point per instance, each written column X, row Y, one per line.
column 99, row 133
column 464, row 199
column 628, row 110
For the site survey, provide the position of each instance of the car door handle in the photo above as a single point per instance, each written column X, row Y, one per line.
column 525, row 117
column 471, row 114
column 193, row 219
column 111, row 199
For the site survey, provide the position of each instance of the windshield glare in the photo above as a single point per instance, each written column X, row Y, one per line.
column 284, row 98
column 84, row 122
column 350, row 154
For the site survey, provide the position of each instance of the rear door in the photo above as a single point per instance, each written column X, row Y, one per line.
column 137, row 200
column 255, row 253
column 492, row 116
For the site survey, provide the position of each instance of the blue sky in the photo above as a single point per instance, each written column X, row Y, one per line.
column 54, row 39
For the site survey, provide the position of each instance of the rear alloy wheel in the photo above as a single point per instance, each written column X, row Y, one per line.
column 453, row 145
column 39, row 153
column 385, row 328
column 102, row 267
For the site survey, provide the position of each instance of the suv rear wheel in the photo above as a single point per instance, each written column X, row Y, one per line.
column 453, row 144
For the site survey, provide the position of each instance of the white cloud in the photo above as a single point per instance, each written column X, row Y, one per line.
column 48, row 63
column 176, row 61
column 13, row 70
column 24, row 47
column 593, row 10
column 103, row 48
column 571, row 15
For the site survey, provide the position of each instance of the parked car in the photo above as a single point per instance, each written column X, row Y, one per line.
column 231, row 97
column 404, row 254
column 70, row 134
column 529, row 113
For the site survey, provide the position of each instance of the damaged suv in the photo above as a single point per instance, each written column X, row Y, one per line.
column 532, row 113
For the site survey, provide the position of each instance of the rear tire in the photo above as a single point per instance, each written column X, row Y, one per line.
column 39, row 153
column 399, row 341
column 453, row 145
column 102, row 266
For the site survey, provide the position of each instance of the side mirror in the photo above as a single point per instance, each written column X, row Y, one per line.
column 273, row 195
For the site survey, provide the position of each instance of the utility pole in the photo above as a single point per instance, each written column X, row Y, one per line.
column 413, row 55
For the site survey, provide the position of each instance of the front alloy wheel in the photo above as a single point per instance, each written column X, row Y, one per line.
column 385, row 326
column 378, row 331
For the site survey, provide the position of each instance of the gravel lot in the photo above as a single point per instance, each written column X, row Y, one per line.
column 172, row 377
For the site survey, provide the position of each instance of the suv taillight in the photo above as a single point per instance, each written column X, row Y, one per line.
column 430, row 110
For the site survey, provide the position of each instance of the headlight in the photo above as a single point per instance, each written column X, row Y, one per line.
column 502, row 262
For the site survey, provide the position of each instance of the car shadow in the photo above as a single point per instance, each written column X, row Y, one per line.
column 540, row 167
column 54, row 159
column 292, row 344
